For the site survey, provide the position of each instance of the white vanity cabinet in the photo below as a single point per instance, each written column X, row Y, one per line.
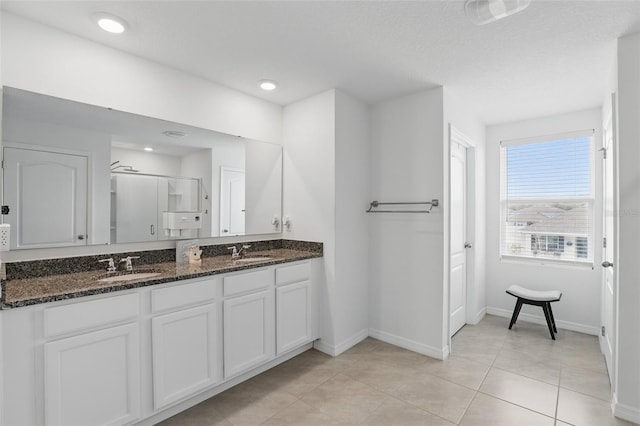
column 249, row 320
column 92, row 374
column 185, row 340
column 141, row 355
column 294, row 310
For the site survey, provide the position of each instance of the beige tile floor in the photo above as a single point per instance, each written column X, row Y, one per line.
column 494, row 377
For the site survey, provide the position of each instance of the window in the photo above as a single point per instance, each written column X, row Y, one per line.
column 547, row 198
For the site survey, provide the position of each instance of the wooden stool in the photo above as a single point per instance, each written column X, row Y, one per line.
column 538, row 298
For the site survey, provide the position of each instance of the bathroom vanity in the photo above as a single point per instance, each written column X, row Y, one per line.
column 139, row 351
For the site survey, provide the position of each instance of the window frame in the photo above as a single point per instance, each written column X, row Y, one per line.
column 577, row 245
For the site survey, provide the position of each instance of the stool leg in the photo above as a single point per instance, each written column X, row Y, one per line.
column 516, row 312
column 545, row 308
column 553, row 320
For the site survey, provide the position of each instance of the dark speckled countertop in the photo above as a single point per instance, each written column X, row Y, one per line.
column 42, row 289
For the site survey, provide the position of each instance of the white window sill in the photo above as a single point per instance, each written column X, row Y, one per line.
column 547, row 262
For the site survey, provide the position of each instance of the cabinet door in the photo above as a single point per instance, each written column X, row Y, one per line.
column 293, row 316
column 249, row 331
column 185, row 353
column 93, row 378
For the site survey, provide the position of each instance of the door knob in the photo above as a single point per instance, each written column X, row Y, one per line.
column 81, row 237
column 468, row 245
column 607, row 264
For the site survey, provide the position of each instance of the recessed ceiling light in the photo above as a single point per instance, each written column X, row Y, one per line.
column 148, row 148
column 268, row 85
column 174, row 134
column 110, row 23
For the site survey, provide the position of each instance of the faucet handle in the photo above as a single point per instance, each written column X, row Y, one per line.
column 129, row 265
column 234, row 253
column 246, row 246
column 111, row 267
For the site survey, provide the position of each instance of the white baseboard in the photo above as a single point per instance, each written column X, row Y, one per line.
column 335, row 350
column 566, row 325
column 625, row 412
column 478, row 317
column 412, row 345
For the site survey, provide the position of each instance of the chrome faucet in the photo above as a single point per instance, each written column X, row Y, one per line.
column 127, row 262
column 111, row 267
column 238, row 253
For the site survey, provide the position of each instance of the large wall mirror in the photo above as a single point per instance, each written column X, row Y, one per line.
column 78, row 174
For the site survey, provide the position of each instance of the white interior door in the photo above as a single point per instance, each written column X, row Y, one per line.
column 607, row 335
column 458, row 238
column 51, row 182
column 232, row 201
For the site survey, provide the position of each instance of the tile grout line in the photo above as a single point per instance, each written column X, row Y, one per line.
column 555, row 419
column 509, row 402
column 476, row 391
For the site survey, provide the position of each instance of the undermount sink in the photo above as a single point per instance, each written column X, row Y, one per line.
column 129, row 277
column 252, row 259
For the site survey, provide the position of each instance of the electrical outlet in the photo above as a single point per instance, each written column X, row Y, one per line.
column 5, row 236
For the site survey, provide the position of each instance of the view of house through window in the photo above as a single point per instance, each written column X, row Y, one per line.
column 547, row 198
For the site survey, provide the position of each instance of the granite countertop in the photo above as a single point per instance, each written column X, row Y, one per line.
column 32, row 291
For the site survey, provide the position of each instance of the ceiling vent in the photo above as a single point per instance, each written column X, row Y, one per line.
column 482, row 12
column 176, row 134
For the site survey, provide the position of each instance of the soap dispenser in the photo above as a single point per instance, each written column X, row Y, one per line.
column 194, row 255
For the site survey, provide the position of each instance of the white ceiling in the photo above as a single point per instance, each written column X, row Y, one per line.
column 554, row 57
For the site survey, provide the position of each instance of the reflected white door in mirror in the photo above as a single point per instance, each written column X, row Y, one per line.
column 47, row 197
column 232, row 199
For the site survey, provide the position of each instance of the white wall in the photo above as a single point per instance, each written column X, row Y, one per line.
column 325, row 141
column 45, row 60
column 147, row 162
column 579, row 308
column 308, row 137
column 465, row 120
column 263, row 165
column 628, row 269
column 198, row 164
column 352, row 194
column 406, row 250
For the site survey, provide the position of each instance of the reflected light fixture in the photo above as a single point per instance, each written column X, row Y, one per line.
column 110, row 23
column 482, row 12
column 148, row 148
column 268, row 85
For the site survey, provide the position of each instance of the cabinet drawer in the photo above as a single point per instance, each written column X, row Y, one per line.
column 247, row 282
column 293, row 273
column 182, row 295
column 87, row 315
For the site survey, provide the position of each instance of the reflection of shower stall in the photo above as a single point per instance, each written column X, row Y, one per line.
column 148, row 207
column 115, row 166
